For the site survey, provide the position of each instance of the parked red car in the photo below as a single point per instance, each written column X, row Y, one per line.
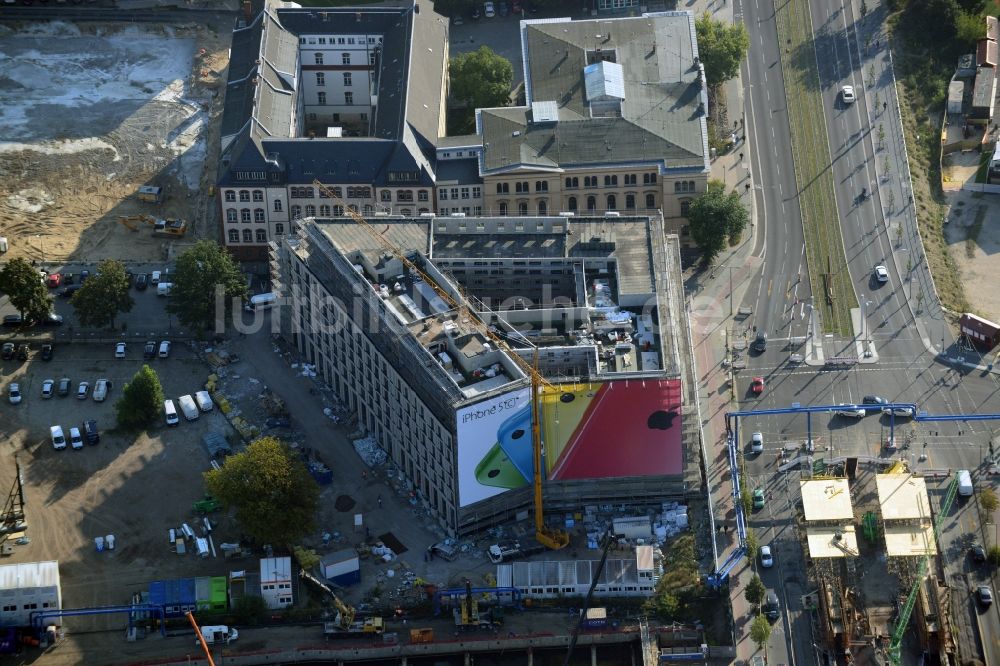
column 757, row 385
column 53, row 280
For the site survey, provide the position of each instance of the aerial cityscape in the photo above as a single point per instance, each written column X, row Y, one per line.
column 499, row 332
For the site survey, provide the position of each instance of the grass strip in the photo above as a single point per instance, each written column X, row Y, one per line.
column 825, row 255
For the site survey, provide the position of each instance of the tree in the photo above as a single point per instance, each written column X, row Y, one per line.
column 993, row 555
column 103, row 296
column 753, row 546
column 974, row 7
column 274, row 496
column 23, row 285
column 721, row 47
column 940, row 17
column 202, row 271
column 988, row 502
column 482, row 79
column 754, row 591
column 141, row 401
column 746, row 499
column 716, row 217
column 760, row 631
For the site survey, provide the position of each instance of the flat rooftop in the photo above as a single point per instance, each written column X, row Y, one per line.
column 910, row 540
column 830, row 542
column 826, row 499
column 903, row 497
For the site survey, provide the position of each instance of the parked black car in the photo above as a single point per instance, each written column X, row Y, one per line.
column 52, row 320
column 22, row 352
column 68, row 292
column 8, row 351
column 90, row 432
column 129, row 278
column 12, row 320
column 149, row 351
column 141, row 281
column 46, row 352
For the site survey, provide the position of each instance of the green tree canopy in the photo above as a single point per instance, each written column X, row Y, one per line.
column 142, row 400
column 754, row 591
column 200, row 272
column 988, row 501
column 268, row 485
column 993, row 555
column 23, row 285
column 721, row 47
column 760, row 631
column 716, row 217
column 481, row 78
column 103, row 296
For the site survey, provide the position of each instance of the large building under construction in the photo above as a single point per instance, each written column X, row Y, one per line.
column 422, row 352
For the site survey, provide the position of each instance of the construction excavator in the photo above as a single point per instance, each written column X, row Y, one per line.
column 169, row 228
column 344, row 624
column 552, row 538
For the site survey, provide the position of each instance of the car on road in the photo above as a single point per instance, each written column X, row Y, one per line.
column 75, row 440
column 489, row 11
column 278, row 422
column 47, row 388
column 757, row 442
column 154, row 278
column 90, row 432
column 46, row 352
column 760, row 342
column 978, row 553
column 772, row 609
column 503, row 9
column 22, row 352
column 52, row 320
column 164, row 349
column 874, row 400
column 850, row 412
column 84, row 274
column 8, row 351
column 101, row 389
column 149, row 350
column 14, row 393
column 120, row 350
column 64, row 385
column 170, row 412
column 847, row 94
column 766, row 559
column 984, row 594
column 898, row 411
column 757, row 385
column 82, row 390
column 67, row 292
column 141, row 281
column 881, row 274
column 457, row 20
column 68, row 278
column 12, row 320
column 58, row 439
column 476, row 13
column 758, row 499
column 53, row 280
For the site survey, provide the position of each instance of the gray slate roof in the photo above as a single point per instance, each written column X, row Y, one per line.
column 661, row 118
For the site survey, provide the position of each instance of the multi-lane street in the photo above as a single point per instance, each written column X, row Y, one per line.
column 911, row 355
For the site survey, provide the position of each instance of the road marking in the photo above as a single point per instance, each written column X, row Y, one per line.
column 769, row 285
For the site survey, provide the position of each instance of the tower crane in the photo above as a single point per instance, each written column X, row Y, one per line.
column 552, row 538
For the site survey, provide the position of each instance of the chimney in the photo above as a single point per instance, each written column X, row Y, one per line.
column 247, row 11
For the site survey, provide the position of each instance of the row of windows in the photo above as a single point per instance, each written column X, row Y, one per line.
column 345, row 58
column 404, row 195
column 684, row 186
column 32, row 606
column 258, row 195
column 337, row 40
column 460, row 193
column 610, row 180
column 348, row 98
column 249, row 235
column 305, row 193
column 611, row 203
column 321, row 79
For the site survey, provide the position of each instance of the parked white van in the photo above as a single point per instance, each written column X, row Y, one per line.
column 164, row 288
column 965, row 486
column 204, row 401
column 261, row 302
column 171, row 412
column 165, row 349
column 219, row 634
column 188, row 408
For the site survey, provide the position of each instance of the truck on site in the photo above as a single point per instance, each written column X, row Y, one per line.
column 505, row 551
column 965, row 487
column 219, row 634
column 261, row 302
column 170, row 228
column 188, row 408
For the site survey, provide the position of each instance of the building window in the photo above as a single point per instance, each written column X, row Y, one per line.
column 572, row 182
column 590, row 181
column 612, row 202
column 277, row 205
column 572, row 203
column 279, row 229
column 245, row 215
column 369, row 210
column 591, row 203
column 371, row 58
column 503, row 188
column 231, row 215
column 543, row 208
column 338, row 211
column 503, row 207
column 630, row 202
column 258, row 195
column 685, row 207
column 465, row 192
column 630, row 179
column 421, row 195
column 244, row 195
column 230, row 195
column 477, row 192
column 296, row 212
column 404, row 195
column 345, row 58
column 649, row 178
column 247, row 236
column 522, row 208
column 321, row 98
column 650, row 201
column 261, row 236
column 347, row 79
column 348, row 98
column 310, row 211
column 319, row 58
column 258, row 215
column 324, row 210
column 320, row 79
column 234, row 236
column 541, row 186
column 385, row 195
column 610, row 181
column 339, row 193
column 443, row 194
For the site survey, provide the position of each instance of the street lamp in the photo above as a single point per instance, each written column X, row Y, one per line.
column 865, row 303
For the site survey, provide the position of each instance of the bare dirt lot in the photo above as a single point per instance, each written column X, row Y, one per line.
column 973, row 236
column 134, row 487
column 91, row 112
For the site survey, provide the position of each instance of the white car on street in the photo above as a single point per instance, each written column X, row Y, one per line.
column 58, row 439
column 847, row 94
column 766, row 559
column 74, row 439
column 881, row 274
column 850, row 412
column 757, row 442
column 14, row 393
column 120, row 350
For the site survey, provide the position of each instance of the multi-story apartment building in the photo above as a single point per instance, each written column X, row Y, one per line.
column 355, row 98
column 436, row 364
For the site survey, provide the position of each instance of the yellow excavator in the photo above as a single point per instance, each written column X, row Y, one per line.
column 552, row 538
column 344, row 624
column 170, row 228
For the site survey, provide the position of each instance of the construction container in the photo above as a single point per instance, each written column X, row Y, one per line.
column 219, row 595
column 150, row 194
column 596, row 618
column 202, row 592
column 422, row 635
column 633, row 528
column 342, row 567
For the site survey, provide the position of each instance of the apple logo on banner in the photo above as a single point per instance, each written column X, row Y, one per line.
column 661, row 420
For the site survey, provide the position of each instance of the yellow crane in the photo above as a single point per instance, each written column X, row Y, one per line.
column 552, row 538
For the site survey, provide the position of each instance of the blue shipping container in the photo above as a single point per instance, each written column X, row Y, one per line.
column 188, row 591
column 349, row 578
column 157, row 593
